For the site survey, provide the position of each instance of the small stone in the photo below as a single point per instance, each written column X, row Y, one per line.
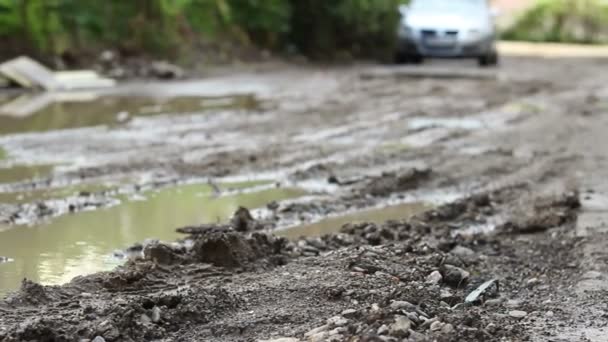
column 144, row 319
column 349, row 313
column 493, row 302
column 462, row 251
column 533, row 282
column 281, row 339
column 155, row 314
column 401, row 327
column 413, row 317
column 383, row 330
column 337, row 321
column 99, row 339
column 513, row 303
column 316, row 330
column 518, row 314
column 491, row 328
column 436, row 326
column 375, row 307
column 416, row 337
column 549, row 314
column 403, row 305
column 319, row 337
column 434, row 278
column 447, row 329
column 454, row 276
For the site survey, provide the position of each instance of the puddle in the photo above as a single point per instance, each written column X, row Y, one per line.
column 21, row 173
column 333, row 224
column 53, row 111
column 3, row 154
column 83, row 243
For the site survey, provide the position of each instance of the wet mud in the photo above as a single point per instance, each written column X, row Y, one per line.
column 383, row 208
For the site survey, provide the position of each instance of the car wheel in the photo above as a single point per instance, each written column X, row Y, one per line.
column 490, row 59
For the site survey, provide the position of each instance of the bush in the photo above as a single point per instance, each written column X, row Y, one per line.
column 568, row 21
column 359, row 28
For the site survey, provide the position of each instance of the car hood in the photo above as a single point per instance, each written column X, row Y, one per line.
column 446, row 21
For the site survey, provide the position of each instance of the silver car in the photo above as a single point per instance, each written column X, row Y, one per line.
column 447, row 29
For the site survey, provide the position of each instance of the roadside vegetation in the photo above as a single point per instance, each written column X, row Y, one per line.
column 168, row 28
column 563, row 21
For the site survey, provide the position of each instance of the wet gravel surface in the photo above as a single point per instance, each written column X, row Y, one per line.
column 514, row 250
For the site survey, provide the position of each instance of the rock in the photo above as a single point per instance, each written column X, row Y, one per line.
column 349, row 313
column 434, row 278
column 144, row 319
column 462, row 252
column 447, row 329
column 417, row 337
column 493, row 302
column 319, row 337
column 166, row 70
column 401, row 327
column 533, row 282
column 489, row 288
column 337, row 321
column 155, row 314
column 549, row 314
column 518, row 314
column 513, row 303
column 281, row 339
column 107, row 57
column 383, row 330
column 454, row 276
column 99, row 339
column 403, row 305
column 122, row 116
column 317, row 330
column 436, row 326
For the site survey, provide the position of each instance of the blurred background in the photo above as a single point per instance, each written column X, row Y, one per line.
column 73, row 33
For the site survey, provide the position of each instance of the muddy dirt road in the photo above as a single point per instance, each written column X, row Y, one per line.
column 385, row 206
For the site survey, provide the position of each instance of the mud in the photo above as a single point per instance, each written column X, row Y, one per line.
column 507, row 173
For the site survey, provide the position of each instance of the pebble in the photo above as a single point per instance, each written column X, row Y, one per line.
column 493, row 302
column 533, row 282
column 434, row 278
column 155, row 314
column 403, row 305
column 518, row 314
column 592, row 275
column 145, row 319
column 281, row 339
column 316, row 330
column 513, row 303
column 383, row 330
column 462, row 251
column 549, row 313
column 337, row 321
column 447, row 329
column 401, row 327
column 349, row 313
column 454, row 276
column 99, row 339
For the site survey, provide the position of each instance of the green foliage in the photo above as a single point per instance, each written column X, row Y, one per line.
column 318, row 28
column 359, row 28
column 572, row 21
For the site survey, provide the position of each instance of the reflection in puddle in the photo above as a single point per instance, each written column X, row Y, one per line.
column 21, row 173
column 53, row 111
column 83, row 243
column 333, row 224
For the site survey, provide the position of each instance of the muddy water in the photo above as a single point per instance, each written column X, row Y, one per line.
column 84, row 243
column 47, row 111
column 22, row 172
column 333, row 224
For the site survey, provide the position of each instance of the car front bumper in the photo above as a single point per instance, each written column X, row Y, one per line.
column 456, row 49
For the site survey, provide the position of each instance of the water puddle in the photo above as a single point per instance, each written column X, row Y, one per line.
column 333, row 224
column 3, row 154
column 53, row 111
column 22, row 172
column 84, row 243
column 19, row 197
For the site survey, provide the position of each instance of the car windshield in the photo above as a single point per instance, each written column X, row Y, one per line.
column 448, row 5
